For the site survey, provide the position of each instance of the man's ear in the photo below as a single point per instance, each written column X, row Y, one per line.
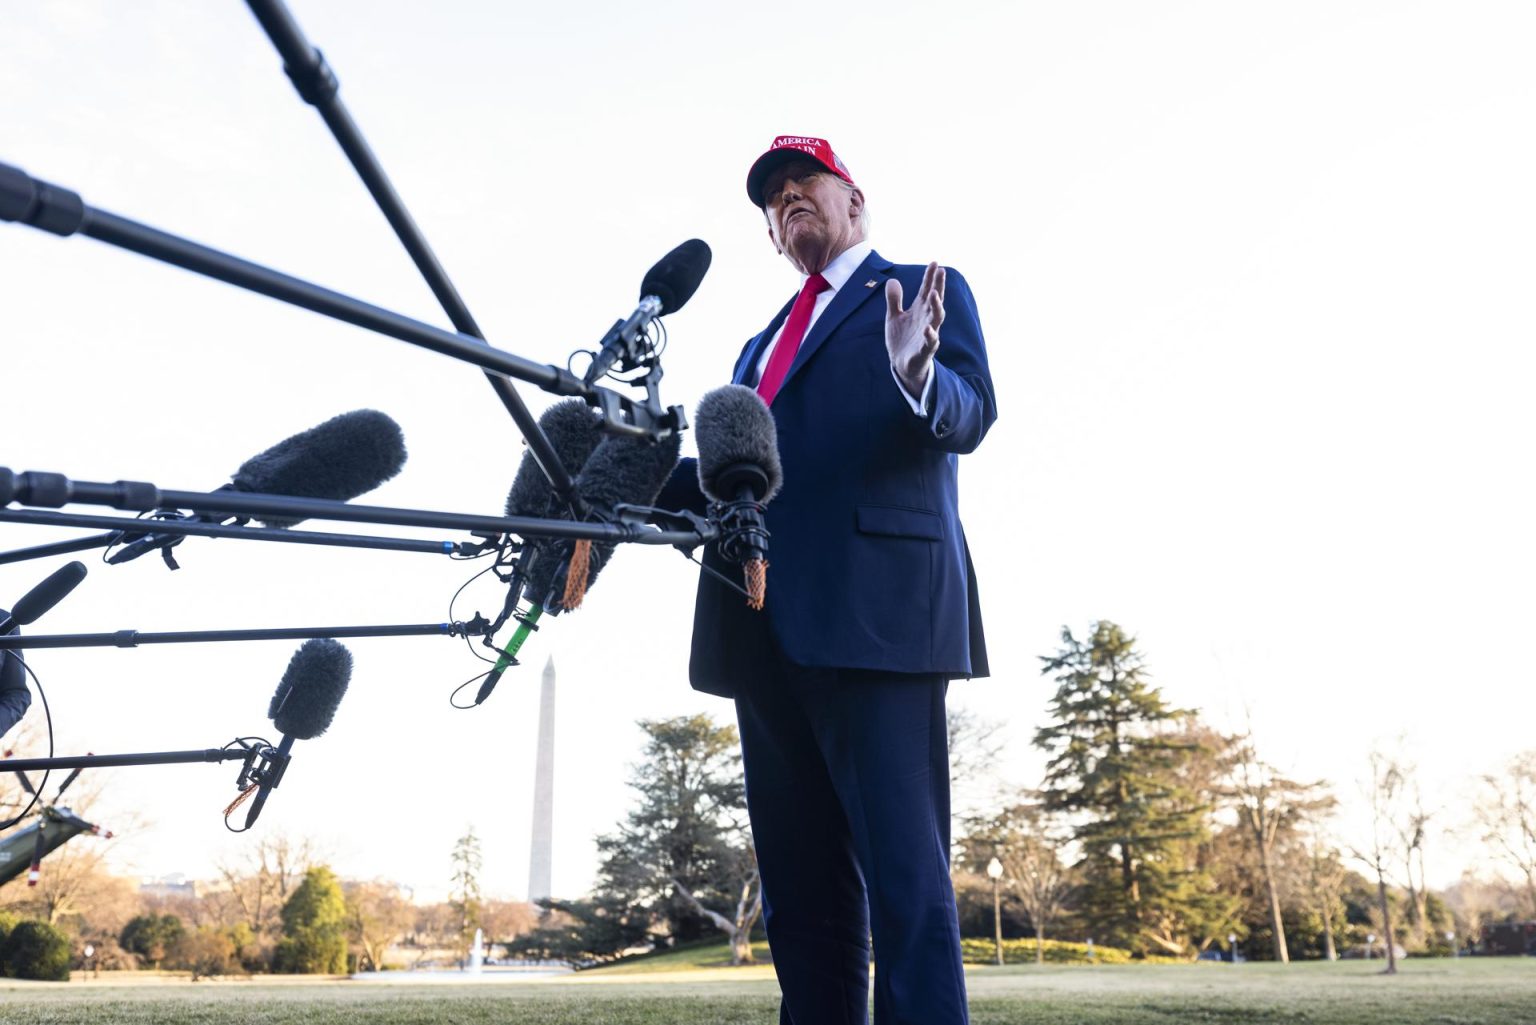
column 855, row 202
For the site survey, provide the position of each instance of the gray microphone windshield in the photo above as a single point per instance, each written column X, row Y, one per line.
column 738, row 445
column 622, row 470
column 311, row 689
column 347, row 456
column 574, row 429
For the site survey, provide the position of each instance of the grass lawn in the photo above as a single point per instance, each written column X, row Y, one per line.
column 1468, row 991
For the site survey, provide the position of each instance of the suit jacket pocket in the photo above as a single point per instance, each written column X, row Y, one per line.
column 898, row 521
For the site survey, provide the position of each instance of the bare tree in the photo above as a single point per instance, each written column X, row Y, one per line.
column 1384, row 793
column 505, row 920
column 255, row 891
column 1412, row 826
column 1030, row 852
column 975, row 748
column 1324, row 876
column 377, row 915
column 1476, row 901
column 1506, row 811
column 1268, row 803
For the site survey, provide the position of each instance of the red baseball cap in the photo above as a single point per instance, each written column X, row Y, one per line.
column 786, row 148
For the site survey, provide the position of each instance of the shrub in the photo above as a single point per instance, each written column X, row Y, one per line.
column 35, row 950
column 208, row 951
column 152, row 937
column 982, row 951
column 314, row 927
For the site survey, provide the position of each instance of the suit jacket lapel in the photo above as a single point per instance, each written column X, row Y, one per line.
column 854, row 293
column 754, row 351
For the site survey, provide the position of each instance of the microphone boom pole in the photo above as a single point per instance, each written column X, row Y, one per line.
column 317, row 85
column 53, row 490
column 123, row 524
column 134, row 638
column 58, row 210
column 212, row 754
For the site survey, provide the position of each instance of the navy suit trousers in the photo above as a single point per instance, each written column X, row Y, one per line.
column 847, row 775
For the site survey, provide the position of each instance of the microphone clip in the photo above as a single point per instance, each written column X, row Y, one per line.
column 142, row 543
column 743, row 535
column 264, row 766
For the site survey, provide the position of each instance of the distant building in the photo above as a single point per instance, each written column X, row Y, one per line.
column 176, row 885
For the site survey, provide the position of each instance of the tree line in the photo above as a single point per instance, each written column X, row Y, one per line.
column 280, row 909
column 1151, row 833
column 1154, row 832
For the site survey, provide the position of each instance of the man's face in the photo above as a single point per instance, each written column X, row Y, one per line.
column 811, row 216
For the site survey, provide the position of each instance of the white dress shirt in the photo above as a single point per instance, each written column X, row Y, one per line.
column 837, row 274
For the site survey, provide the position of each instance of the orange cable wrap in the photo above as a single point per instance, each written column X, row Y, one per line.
column 576, row 575
column 237, row 802
column 756, row 573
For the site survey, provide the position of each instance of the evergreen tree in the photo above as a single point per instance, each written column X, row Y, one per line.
column 1116, row 768
column 465, row 899
column 314, row 927
column 35, row 950
column 151, row 936
column 683, row 853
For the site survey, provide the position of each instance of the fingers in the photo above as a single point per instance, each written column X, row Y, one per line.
column 938, row 283
column 892, row 298
column 927, row 285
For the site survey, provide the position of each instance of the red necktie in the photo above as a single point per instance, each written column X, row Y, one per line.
column 794, row 334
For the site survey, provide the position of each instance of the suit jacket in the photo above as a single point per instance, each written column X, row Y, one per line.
column 868, row 564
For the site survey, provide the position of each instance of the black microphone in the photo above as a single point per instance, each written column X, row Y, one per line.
column 740, row 472
column 32, row 605
column 302, row 708
column 574, row 430
column 622, row 470
column 15, row 698
column 347, row 456
column 665, row 288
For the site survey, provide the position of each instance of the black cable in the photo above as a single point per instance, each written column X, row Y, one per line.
column 48, row 715
column 453, row 601
column 473, row 679
column 733, row 585
column 249, row 744
column 106, row 552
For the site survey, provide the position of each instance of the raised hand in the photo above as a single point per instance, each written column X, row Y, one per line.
column 912, row 335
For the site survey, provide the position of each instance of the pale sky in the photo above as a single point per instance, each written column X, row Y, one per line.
column 1255, row 281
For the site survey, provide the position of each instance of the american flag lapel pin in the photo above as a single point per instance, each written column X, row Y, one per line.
column 870, row 283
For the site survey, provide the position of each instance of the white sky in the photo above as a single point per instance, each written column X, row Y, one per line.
column 1255, row 280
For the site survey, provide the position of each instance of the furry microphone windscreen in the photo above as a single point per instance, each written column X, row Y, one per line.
column 734, row 428
column 347, row 456
column 574, row 429
column 306, row 698
column 622, row 470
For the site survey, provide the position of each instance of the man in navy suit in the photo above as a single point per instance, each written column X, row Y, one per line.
column 871, row 609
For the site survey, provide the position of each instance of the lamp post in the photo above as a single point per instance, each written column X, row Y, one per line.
column 1370, row 941
column 995, row 873
column 1232, row 946
column 1450, row 940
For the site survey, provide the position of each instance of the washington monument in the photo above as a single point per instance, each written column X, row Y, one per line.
column 541, row 856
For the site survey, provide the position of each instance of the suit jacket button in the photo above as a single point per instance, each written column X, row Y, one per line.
column 943, row 428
